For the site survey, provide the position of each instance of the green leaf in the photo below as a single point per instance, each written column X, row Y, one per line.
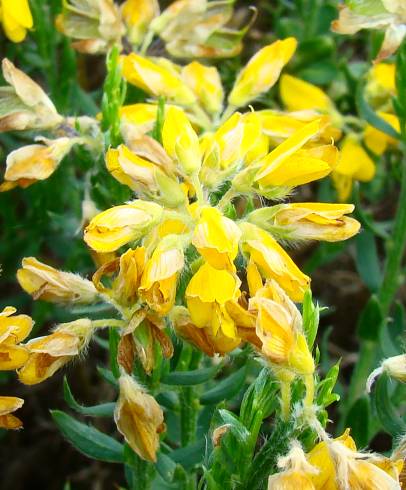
column 107, row 375
column 311, row 315
column 370, row 116
column 190, row 378
column 367, row 260
column 325, row 395
column 103, row 410
column 114, row 339
column 358, row 419
column 371, row 320
column 166, row 467
column 190, row 455
column 225, row 389
column 88, row 440
column 389, row 418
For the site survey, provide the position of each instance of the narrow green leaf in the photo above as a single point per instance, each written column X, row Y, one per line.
column 367, row 260
column 166, row 467
column 102, row 410
column 107, row 375
column 190, row 378
column 225, row 389
column 310, row 318
column 114, row 339
column 359, row 419
column 370, row 321
column 190, row 455
column 88, row 440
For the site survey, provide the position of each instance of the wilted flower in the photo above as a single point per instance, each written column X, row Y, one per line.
column 13, row 330
column 95, row 24
column 139, row 418
column 8, row 405
column 116, row 226
column 389, row 15
column 44, row 282
column 32, row 163
column 394, row 366
column 49, row 353
column 16, row 19
column 307, row 221
column 272, row 261
column 27, row 105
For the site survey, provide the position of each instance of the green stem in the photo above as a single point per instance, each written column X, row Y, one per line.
column 147, row 42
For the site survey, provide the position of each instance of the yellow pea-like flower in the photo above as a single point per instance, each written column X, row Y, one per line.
column 158, row 281
column 137, row 15
column 13, row 330
column 147, row 178
column 206, row 84
column 298, row 95
column 156, row 79
column 381, row 83
column 8, row 405
column 207, row 295
column 216, row 239
column 139, row 418
column 115, row 227
column 273, row 262
column 290, row 165
column 32, row 163
column 137, row 120
column 308, row 221
column 378, row 141
column 50, row 353
column 44, row 282
column 15, row 15
column 181, row 141
column 354, row 164
column 262, row 71
column 26, row 105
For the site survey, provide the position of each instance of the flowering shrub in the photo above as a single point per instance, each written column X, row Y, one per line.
column 178, row 199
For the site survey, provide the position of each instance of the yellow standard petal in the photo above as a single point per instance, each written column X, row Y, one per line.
column 262, row 71
column 8, row 405
column 216, row 239
column 298, row 95
column 16, row 18
column 116, row 226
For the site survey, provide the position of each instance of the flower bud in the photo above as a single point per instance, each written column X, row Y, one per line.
column 307, row 221
column 51, row 352
column 156, row 79
column 181, row 142
column 261, row 72
column 49, row 284
column 32, row 163
column 139, row 418
column 27, row 105
column 8, row 405
column 137, row 16
column 116, row 226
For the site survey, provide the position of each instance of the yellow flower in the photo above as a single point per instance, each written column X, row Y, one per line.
column 181, row 142
column 8, row 405
column 308, row 221
column 119, row 225
column 32, row 163
column 207, row 295
column 137, row 15
column 298, row 95
column 381, row 82
column 95, row 24
column 148, row 179
column 273, row 262
column 378, row 141
column 158, row 281
column 296, row 472
column 206, row 83
column 15, row 15
column 216, row 239
column 13, row 330
column 262, row 71
column 26, row 104
column 226, row 150
column 354, row 164
column 49, row 353
column 279, row 327
column 139, row 418
column 387, row 14
column 44, row 282
column 156, row 79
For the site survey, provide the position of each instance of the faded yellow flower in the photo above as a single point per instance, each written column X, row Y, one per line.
column 139, row 418
column 44, row 282
column 272, row 261
column 15, row 15
column 13, row 330
column 8, row 405
column 119, row 225
column 262, row 71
